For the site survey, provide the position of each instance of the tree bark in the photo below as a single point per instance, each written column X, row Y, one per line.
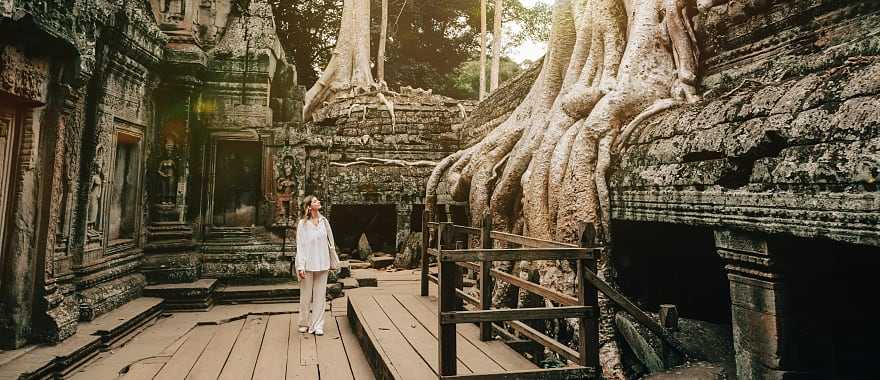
column 496, row 45
column 482, row 49
column 349, row 68
column 383, row 36
column 610, row 65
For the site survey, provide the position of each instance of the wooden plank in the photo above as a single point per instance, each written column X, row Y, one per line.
column 376, row 356
column 405, row 360
column 415, row 333
column 485, row 276
column 208, row 365
column 515, row 314
column 637, row 313
column 272, row 361
column 576, row 373
column 446, row 334
column 308, row 354
column 465, row 229
column 546, row 341
column 433, row 279
column 467, row 297
column 185, row 358
column 360, row 367
column 472, row 266
column 433, row 252
column 474, row 358
column 563, row 299
column 588, row 343
column 507, row 254
column 332, row 360
column 145, row 369
column 529, row 242
column 506, row 357
column 295, row 369
column 426, row 240
column 243, row 358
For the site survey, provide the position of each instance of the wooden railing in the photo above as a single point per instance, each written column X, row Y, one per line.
column 452, row 256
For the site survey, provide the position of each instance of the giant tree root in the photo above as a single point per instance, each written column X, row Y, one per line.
column 610, row 64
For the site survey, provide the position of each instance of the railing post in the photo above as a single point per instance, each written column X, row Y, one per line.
column 426, row 239
column 446, row 338
column 588, row 343
column 485, row 277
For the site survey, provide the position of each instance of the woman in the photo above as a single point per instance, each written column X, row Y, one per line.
column 315, row 255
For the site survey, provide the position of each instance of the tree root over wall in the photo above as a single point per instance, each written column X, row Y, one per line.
column 542, row 171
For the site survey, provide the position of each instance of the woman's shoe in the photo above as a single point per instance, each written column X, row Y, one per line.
column 303, row 329
column 319, row 332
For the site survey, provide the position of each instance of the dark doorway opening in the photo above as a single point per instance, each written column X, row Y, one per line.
column 237, row 183
column 662, row 263
column 379, row 222
column 829, row 290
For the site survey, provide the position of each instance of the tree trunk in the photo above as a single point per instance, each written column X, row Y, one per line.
column 610, row 64
column 383, row 36
column 482, row 49
column 496, row 45
column 349, row 68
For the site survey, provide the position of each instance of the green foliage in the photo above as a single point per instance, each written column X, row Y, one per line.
column 465, row 79
column 428, row 41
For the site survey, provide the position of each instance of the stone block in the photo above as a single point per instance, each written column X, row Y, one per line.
column 380, row 262
column 349, row 283
column 366, row 279
column 344, row 270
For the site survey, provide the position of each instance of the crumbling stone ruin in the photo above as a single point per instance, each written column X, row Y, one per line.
column 157, row 142
column 743, row 206
column 154, row 142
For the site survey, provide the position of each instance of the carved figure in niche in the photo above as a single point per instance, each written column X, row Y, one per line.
column 168, row 176
column 96, row 194
column 285, row 186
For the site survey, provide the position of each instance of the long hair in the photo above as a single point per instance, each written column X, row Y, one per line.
column 304, row 206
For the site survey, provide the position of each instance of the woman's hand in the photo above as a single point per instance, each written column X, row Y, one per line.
column 301, row 274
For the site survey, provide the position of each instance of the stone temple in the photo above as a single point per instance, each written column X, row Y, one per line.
column 157, row 148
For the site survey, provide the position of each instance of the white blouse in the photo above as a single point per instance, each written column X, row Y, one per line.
column 313, row 244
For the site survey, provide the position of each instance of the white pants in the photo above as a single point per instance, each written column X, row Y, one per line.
column 312, row 294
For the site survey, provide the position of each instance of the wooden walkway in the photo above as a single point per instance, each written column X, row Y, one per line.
column 398, row 334
column 264, row 346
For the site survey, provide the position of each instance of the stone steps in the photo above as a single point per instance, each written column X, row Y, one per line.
column 189, row 296
column 272, row 293
column 103, row 333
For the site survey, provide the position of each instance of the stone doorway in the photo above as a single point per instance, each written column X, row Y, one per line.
column 378, row 222
column 8, row 117
column 237, row 167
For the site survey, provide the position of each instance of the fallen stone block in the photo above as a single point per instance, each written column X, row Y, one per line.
column 379, row 262
column 349, row 283
column 344, row 269
column 360, row 265
column 366, row 280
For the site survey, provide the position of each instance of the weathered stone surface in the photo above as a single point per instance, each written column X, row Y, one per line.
column 379, row 262
column 411, row 255
column 344, row 269
column 365, row 279
column 363, row 248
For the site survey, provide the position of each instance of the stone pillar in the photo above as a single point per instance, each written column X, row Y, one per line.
column 762, row 333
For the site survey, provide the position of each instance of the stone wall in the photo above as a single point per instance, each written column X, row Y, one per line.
column 374, row 160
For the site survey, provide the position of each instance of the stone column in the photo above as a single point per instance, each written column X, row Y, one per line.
column 762, row 331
